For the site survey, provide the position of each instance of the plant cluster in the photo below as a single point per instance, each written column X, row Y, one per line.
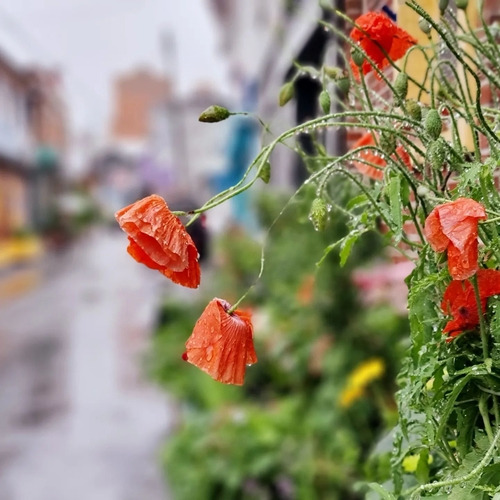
column 424, row 175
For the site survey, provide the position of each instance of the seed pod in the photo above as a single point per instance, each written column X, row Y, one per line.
column 214, row 114
column 414, row 109
column 401, row 85
column 387, row 142
column 443, row 5
column 424, row 25
column 433, row 124
column 344, row 84
column 357, row 56
column 318, row 214
column 287, row 92
column 324, row 101
column 462, row 4
column 436, row 154
column 265, row 172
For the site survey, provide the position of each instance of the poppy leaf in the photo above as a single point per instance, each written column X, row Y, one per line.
column 346, row 247
column 395, row 204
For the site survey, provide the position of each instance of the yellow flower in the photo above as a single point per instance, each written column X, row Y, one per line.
column 359, row 378
column 410, row 462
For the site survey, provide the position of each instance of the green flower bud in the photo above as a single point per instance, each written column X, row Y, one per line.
column 433, row 124
column 287, row 92
column 414, row 109
column 265, row 172
column 462, row 4
column 324, row 101
column 401, row 85
column 333, row 72
column 214, row 114
column 318, row 214
column 357, row 56
column 436, row 154
column 424, row 25
column 344, row 84
column 387, row 142
column 443, row 5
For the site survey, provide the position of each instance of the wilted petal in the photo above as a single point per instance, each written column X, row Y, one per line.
column 221, row 343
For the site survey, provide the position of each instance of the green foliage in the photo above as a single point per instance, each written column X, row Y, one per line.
column 284, row 434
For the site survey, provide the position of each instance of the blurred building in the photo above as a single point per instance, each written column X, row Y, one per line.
column 33, row 129
column 135, row 95
column 261, row 40
column 193, row 153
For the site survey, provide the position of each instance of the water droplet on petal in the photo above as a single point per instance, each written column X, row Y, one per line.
column 210, row 352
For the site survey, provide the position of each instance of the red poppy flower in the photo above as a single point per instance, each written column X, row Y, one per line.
column 158, row 240
column 221, row 343
column 377, row 35
column 375, row 171
column 459, row 301
column 452, row 226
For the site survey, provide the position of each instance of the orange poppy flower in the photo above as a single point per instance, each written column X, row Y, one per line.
column 375, row 171
column 459, row 301
column 158, row 240
column 453, row 226
column 222, row 343
column 377, row 35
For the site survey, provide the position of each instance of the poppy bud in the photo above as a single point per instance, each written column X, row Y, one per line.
column 318, row 214
column 401, row 85
column 324, row 101
column 433, row 124
column 265, row 172
column 462, row 4
column 387, row 142
column 344, row 84
column 287, row 92
column 443, row 5
column 437, row 153
column 414, row 110
column 214, row 114
column 424, row 25
column 332, row 72
column 357, row 57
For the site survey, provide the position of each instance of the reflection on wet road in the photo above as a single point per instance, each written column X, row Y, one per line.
column 77, row 419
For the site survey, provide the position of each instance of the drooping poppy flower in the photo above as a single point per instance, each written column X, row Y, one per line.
column 158, row 240
column 453, row 226
column 370, row 163
column 459, row 301
column 377, row 35
column 222, row 343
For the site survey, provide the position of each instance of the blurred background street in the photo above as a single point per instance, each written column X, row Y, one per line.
column 77, row 419
column 99, row 106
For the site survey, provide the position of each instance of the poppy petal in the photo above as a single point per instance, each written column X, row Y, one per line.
column 221, row 343
column 434, row 234
column 462, row 264
column 401, row 43
column 368, row 157
column 158, row 240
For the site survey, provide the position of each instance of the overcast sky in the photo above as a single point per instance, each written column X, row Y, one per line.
column 92, row 40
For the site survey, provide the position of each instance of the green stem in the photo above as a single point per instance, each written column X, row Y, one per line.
column 483, row 409
column 482, row 326
column 462, row 479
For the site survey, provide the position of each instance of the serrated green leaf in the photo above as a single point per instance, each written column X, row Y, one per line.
column 395, row 204
column 450, row 403
column 422, row 472
column 356, row 201
column 466, row 420
column 346, row 247
column 384, row 494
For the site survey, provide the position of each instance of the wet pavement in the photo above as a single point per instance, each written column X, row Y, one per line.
column 77, row 418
